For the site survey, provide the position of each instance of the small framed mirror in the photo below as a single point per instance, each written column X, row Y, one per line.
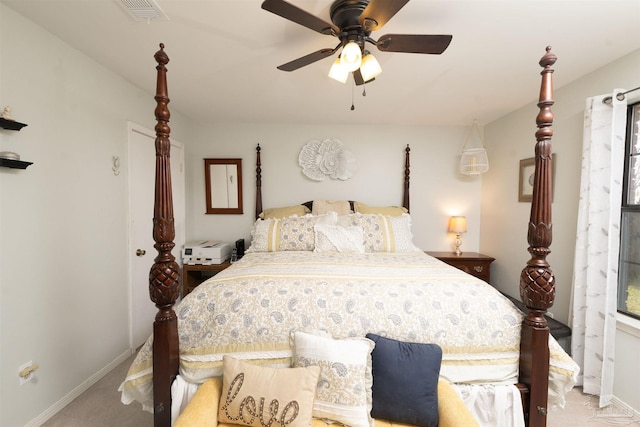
column 223, row 184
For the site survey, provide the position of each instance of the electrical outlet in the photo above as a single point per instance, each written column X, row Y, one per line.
column 26, row 372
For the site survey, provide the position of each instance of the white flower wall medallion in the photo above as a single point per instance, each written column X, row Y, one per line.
column 320, row 159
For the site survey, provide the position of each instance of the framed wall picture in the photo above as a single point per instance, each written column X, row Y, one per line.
column 525, row 182
column 223, row 185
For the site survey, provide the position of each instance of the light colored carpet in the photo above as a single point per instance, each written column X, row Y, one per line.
column 582, row 410
column 100, row 406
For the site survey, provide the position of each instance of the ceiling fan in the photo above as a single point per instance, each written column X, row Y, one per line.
column 352, row 23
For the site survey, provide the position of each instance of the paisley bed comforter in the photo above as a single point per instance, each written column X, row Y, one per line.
column 250, row 310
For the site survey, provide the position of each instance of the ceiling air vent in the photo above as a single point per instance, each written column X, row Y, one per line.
column 143, row 10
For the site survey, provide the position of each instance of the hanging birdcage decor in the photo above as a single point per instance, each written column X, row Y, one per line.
column 474, row 160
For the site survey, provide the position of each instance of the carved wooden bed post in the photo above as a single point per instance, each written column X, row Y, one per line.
column 164, row 276
column 405, row 194
column 258, row 183
column 537, row 283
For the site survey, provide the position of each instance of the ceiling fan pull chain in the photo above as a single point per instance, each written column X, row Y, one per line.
column 353, row 86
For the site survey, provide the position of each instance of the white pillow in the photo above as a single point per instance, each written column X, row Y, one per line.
column 344, row 386
column 401, row 226
column 333, row 238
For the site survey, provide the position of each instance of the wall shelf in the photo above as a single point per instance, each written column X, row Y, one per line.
column 11, row 124
column 14, row 164
column 11, row 163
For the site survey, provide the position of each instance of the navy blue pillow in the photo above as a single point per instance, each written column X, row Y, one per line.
column 405, row 381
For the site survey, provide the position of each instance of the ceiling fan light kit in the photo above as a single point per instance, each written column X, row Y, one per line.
column 370, row 67
column 352, row 23
column 351, row 56
column 338, row 72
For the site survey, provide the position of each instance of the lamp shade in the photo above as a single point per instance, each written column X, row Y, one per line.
column 370, row 67
column 351, row 56
column 457, row 224
column 338, row 71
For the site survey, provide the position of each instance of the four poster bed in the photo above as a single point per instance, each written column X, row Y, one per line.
column 387, row 287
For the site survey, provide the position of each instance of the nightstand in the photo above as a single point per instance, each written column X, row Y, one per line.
column 194, row 274
column 476, row 264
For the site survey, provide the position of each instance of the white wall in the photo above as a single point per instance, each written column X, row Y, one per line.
column 437, row 190
column 504, row 220
column 63, row 231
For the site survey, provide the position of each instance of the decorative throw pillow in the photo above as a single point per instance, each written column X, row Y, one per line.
column 344, row 387
column 287, row 234
column 262, row 396
column 321, row 207
column 405, row 381
column 333, row 238
column 402, row 235
column 386, row 210
column 285, row 212
column 383, row 233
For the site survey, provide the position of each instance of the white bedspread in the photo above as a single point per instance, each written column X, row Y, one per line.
column 250, row 309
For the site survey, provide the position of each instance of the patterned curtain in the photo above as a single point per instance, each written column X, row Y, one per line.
column 595, row 273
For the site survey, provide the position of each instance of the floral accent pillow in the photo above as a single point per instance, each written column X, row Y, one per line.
column 287, row 234
column 344, row 386
column 383, row 233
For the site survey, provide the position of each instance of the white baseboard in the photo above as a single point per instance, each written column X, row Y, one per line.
column 59, row 405
column 626, row 409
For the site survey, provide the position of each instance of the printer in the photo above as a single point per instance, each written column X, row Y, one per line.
column 206, row 252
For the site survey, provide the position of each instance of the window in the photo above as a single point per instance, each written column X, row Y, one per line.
column 629, row 270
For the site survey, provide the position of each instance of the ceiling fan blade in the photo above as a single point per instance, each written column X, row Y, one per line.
column 379, row 12
column 307, row 59
column 299, row 16
column 433, row 44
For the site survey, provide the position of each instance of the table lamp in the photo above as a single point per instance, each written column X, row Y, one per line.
column 458, row 225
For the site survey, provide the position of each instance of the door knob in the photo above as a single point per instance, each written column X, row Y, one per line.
column 140, row 252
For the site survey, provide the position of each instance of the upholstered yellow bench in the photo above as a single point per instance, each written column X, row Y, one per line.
column 202, row 410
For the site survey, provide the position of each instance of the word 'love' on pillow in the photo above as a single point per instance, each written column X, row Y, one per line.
column 405, row 381
column 344, row 387
column 266, row 397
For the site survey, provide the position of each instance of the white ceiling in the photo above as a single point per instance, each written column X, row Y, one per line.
column 224, row 55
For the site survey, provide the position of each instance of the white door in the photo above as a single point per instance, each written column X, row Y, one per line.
column 142, row 161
